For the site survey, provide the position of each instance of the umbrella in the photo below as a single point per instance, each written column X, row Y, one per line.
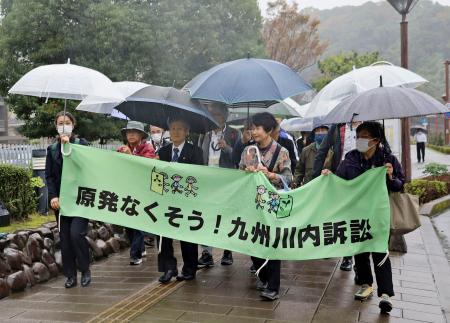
column 64, row 81
column 240, row 115
column 301, row 124
column 360, row 80
column 417, row 128
column 156, row 105
column 385, row 103
column 242, row 82
column 94, row 103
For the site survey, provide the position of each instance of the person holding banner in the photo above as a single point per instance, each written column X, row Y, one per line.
column 72, row 230
column 136, row 144
column 179, row 151
column 217, row 146
column 373, row 151
column 273, row 161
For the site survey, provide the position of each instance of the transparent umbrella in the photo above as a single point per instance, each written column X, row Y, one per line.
column 358, row 81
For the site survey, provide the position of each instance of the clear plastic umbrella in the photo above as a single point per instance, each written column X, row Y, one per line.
column 358, row 81
column 64, row 81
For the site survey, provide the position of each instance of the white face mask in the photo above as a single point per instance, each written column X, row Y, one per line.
column 156, row 137
column 65, row 129
column 362, row 145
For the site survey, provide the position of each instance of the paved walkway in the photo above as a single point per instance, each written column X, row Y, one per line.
column 431, row 156
column 312, row 291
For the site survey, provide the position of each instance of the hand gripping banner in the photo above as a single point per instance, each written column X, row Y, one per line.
column 226, row 208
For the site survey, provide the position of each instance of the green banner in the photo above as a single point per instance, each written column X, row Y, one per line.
column 228, row 209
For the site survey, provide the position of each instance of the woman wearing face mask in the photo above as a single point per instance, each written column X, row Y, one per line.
column 72, row 230
column 304, row 169
column 371, row 152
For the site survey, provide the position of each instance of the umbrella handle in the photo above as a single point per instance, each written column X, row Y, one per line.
column 258, row 154
column 64, row 153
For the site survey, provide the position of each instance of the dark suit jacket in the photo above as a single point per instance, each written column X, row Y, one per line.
column 189, row 155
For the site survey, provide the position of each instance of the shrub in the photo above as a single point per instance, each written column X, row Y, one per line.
column 437, row 139
column 435, row 169
column 426, row 190
column 442, row 149
column 17, row 191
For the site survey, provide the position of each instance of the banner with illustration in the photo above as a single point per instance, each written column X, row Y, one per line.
column 226, row 208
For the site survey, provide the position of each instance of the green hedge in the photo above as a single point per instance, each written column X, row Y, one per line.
column 17, row 191
column 442, row 149
column 426, row 190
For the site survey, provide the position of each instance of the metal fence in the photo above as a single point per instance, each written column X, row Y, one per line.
column 20, row 154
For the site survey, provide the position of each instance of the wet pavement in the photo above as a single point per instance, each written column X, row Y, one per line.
column 431, row 156
column 311, row 291
column 442, row 226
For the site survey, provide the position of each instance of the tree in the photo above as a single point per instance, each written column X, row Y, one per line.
column 163, row 42
column 337, row 65
column 291, row 36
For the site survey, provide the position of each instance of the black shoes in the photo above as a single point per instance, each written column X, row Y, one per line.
column 227, row 258
column 206, row 260
column 85, row 278
column 347, row 264
column 70, row 282
column 164, row 279
column 185, row 276
column 260, row 285
column 269, row 295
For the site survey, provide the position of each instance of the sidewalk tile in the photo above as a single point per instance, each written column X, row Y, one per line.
column 207, row 318
column 427, row 317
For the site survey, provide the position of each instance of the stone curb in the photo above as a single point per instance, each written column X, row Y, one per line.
column 435, row 207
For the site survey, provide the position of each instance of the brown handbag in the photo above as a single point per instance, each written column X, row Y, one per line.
column 405, row 216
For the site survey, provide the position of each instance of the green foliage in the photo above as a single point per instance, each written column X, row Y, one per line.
column 37, row 182
column 436, row 139
column 164, row 42
column 426, row 190
column 17, row 191
column 442, row 149
column 334, row 66
column 375, row 27
column 435, row 169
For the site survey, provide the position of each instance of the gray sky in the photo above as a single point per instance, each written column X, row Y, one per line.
column 327, row 4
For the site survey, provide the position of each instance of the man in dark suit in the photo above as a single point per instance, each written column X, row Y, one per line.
column 179, row 151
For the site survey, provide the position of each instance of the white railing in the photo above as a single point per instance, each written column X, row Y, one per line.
column 20, row 154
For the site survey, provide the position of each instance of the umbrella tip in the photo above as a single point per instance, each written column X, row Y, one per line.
column 381, row 81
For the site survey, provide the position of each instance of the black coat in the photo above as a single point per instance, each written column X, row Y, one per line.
column 189, row 155
column 53, row 168
column 355, row 164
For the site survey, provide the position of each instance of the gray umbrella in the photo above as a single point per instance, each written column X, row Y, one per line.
column 385, row 103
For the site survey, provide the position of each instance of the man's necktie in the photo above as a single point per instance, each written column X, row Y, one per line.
column 175, row 155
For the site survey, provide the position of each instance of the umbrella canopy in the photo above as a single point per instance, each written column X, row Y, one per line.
column 262, row 82
column 358, row 81
column 302, row 124
column 93, row 103
column 64, row 81
column 385, row 103
column 280, row 109
column 417, row 128
column 156, row 105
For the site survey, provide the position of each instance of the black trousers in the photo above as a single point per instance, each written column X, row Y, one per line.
column 167, row 260
column 270, row 273
column 420, row 151
column 383, row 273
column 74, row 246
column 136, row 238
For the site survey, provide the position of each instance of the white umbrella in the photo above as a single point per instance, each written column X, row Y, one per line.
column 122, row 90
column 64, row 81
column 361, row 80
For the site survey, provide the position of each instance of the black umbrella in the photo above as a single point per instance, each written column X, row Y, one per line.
column 156, row 105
